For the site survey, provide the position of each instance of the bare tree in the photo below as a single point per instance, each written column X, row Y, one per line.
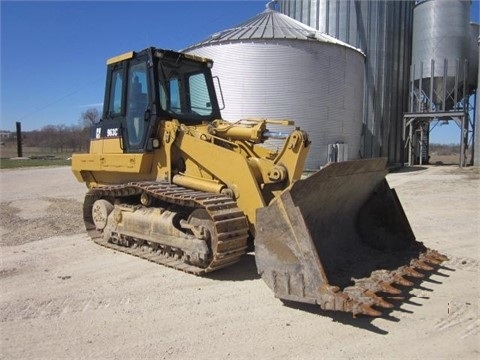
column 90, row 117
column 59, row 138
column 62, row 138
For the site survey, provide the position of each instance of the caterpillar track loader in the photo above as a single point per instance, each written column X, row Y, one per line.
column 169, row 181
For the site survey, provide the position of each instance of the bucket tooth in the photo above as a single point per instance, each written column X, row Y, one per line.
column 410, row 271
column 395, row 277
column 365, row 310
column 389, row 289
column 435, row 254
column 380, row 280
column 378, row 301
column 358, row 294
column 362, row 301
column 419, row 264
column 431, row 260
column 434, row 257
column 365, row 296
column 428, row 258
column 398, row 279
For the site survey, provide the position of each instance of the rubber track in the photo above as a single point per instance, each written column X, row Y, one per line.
column 230, row 224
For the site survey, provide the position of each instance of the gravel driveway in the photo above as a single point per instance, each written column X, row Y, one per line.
column 62, row 296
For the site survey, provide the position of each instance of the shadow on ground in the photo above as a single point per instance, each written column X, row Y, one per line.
column 245, row 269
column 402, row 303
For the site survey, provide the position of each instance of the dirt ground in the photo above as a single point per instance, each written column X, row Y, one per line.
column 62, row 296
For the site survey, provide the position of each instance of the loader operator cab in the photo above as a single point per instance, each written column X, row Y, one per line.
column 146, row 87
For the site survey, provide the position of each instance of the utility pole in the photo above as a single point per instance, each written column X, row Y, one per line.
column 19, row 139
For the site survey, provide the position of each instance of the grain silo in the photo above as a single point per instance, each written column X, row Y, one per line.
column 382, row 30
column 272, row 66
column 440, row 49
column 473, row 57
column 443, row 74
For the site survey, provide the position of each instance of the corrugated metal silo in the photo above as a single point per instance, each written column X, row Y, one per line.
column 272, row 66
column 473, row 57
column 441, row 32
column 382, row 30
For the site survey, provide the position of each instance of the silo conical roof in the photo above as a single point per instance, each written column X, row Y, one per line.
column 270, row 25
column 275, row 67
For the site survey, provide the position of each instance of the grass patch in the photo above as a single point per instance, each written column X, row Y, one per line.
column 20, row 163
column 33, row 156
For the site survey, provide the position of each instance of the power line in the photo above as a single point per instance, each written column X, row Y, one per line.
column 43, row 107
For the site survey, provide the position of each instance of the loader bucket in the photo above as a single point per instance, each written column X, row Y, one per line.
column 340, row 239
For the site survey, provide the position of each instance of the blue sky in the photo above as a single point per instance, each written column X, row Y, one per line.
column 53, row 53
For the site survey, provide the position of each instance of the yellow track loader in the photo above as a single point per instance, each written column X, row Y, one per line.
column 171, row 182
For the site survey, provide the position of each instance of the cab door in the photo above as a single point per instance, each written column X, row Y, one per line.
column 125, row 123
column 137, row 107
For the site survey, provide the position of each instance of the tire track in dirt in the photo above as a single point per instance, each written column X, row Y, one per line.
column 460, row 317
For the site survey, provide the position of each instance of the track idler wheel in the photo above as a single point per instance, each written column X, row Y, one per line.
column 100, row 211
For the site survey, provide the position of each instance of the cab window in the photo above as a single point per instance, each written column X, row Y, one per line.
column 116, row 92
column 199, row 95
column 137, row 104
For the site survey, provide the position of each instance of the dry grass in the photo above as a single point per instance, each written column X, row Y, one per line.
column 32, row 156
column 441, row 154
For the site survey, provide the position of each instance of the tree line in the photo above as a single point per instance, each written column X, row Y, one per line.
column 63, row 138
